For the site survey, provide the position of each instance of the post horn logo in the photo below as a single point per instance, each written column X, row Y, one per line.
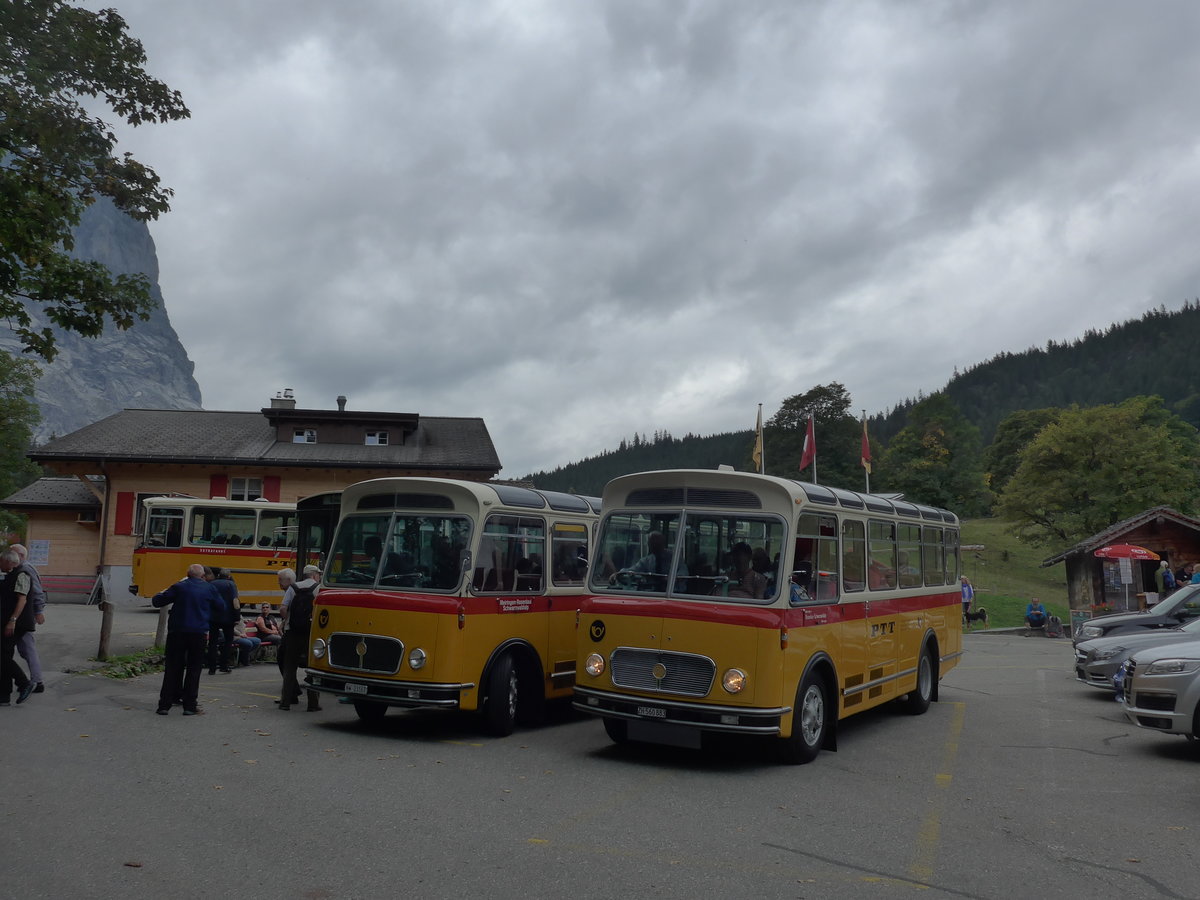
column 597, row 631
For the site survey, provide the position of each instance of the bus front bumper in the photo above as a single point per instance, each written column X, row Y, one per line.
column 411, row 694
column 704, row 717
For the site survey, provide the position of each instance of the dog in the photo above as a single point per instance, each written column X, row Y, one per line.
column 979, row 615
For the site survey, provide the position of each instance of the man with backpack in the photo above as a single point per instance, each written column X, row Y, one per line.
column 297, row 608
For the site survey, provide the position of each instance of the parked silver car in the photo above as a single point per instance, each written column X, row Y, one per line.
column 1174, row 610
column 1098, row 660
column 1162, row 689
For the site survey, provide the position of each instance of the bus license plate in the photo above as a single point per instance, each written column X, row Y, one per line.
column 356, row 688
column 652, row 712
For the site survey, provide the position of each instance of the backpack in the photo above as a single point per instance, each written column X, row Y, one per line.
column 300, row 609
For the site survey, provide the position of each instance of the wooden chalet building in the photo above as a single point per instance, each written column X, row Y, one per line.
column 1095, row 584
column 84, row 520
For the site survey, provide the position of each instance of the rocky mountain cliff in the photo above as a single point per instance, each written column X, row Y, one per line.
column 145, row 367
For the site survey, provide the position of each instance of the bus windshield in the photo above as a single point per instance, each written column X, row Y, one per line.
column 400, row 551
column 731, row 557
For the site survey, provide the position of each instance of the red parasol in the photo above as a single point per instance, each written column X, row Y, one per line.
column 1126, row 551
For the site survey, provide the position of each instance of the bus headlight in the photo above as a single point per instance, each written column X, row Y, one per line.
column 318, row 648
column 734, row 680
column 594, row 665
column 416, row 659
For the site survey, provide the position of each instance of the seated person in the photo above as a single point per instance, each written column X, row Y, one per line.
column 268, row 629
column 744, row 579
column 1035, row 614
column 243, row 643
column 658, row 560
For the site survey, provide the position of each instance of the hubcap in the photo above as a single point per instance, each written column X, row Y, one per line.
column 812, row 714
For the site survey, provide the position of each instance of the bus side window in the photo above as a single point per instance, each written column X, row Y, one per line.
column 803, row 590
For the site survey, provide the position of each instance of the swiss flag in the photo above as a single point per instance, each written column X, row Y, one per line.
column 808, row 456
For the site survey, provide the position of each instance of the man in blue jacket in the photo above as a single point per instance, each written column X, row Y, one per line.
column 194, row 604
column 220, row 636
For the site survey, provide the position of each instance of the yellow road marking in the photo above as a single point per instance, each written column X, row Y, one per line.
column 929, row 835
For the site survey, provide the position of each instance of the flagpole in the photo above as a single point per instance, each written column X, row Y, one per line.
column 866, row 460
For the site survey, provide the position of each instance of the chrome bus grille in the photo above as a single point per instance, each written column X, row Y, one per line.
column 685, row 674
column 365, row 653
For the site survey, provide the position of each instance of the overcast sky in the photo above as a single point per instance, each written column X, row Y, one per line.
column 580, row 220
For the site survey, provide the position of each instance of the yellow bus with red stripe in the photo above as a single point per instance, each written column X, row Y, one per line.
column 724, row 601
column 452, row 594
column 253, row 539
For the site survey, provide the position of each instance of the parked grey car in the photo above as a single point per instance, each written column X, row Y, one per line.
column 1098, row 660
column 1181, row 606
column 1162, row 689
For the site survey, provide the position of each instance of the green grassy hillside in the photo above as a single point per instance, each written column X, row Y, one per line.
column 1007, row 573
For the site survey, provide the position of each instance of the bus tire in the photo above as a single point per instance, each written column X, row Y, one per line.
column 918, row 699
column 370, row 710
column 500, row 708
column 810, row 722
column 618, row 730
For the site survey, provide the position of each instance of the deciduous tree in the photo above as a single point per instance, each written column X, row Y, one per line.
column 1096, row 466
column 18, row 417
column 838, row 435
column 56, row 157
column 936, row 459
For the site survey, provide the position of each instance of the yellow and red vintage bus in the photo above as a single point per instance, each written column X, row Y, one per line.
column 452, row 594
column 724, row 601
column 254, row 539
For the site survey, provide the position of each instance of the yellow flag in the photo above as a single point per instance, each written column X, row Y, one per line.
column 757, row 455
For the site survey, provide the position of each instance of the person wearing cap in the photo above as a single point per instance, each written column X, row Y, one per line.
column 297, row 620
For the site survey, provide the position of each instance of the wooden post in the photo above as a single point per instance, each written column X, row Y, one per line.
column 106, row 611
column 160, row 635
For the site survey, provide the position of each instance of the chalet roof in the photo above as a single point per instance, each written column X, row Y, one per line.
column 242, row 438
column 57, row 492
column 1112, row 532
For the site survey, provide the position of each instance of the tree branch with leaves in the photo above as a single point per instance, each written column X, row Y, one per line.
column 56, row 158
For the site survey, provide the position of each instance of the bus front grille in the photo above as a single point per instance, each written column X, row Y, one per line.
column 664, row 672
column 365, row 653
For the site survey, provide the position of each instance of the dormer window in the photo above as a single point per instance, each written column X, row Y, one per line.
column 304, row 436
column 377, row 438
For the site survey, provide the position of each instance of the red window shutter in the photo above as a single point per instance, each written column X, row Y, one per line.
column 123, row 522
column 271, row 488
column 218, row 486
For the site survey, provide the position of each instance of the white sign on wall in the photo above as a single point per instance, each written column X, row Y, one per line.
column 39, row 553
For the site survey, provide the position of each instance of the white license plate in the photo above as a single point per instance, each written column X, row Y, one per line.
column 356, row 688
column 652, row 712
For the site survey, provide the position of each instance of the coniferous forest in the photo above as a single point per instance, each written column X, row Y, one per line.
column 1147, row 357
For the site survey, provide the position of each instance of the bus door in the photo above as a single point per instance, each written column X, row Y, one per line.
column 511, row 565
column 857, row 670
column 886, row 625
column 569, row 555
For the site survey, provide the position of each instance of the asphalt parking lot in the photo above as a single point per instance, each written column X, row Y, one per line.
column 1019, row 782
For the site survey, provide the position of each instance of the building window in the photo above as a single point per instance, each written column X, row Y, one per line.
column 304, row 436
column 245, row 488
column 377, row 438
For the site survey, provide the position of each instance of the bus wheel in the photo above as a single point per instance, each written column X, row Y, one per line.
column 618, row 730
column 500, row 709
column 809, row 722
column 370, row 710
column 918, row 698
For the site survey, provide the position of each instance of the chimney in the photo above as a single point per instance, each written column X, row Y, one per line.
column 342, row 403
column 285, row 399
